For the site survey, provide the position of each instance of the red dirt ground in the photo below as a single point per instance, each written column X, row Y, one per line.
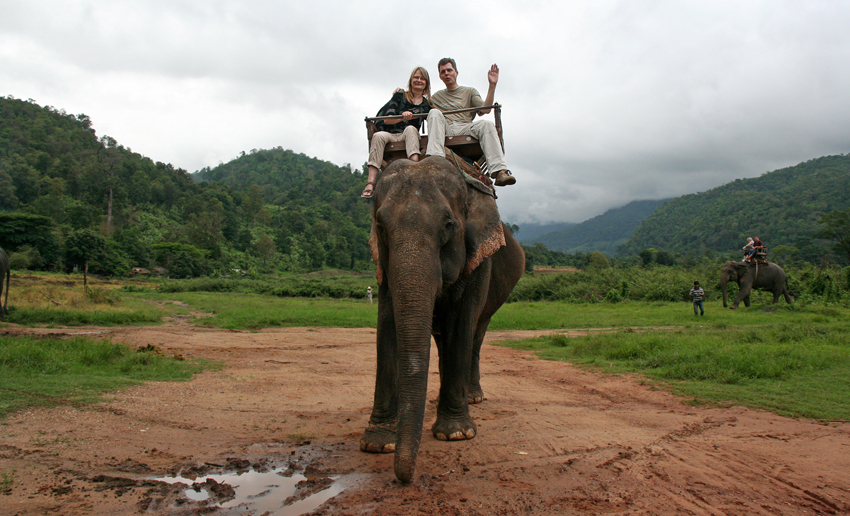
column 552, row 440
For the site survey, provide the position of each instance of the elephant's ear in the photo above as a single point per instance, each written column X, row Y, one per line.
column 373, row 245
column 484, row 231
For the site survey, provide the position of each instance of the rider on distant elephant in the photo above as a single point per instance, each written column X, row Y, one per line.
column 749, row 249
column 759, row 250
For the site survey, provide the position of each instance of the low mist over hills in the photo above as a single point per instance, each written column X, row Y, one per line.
column 602, row 233
column 529, row 233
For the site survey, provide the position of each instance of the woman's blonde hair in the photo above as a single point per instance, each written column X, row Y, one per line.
column 408, row 94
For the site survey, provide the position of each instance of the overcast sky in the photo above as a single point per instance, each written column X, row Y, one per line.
column 605, row 102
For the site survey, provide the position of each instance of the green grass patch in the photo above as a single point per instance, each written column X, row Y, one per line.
column 6, row 481
column 252, row 311
column 798, row 370
column 128, row 314
column 50, row 371
column 546, row 315
column 323, row 284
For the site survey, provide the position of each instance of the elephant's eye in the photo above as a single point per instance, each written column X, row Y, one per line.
column 448, row 231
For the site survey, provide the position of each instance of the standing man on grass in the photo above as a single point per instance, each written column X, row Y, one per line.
column 455, row 97
column 697, row 295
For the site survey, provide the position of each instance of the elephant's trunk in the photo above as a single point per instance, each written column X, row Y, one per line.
column 414, row 286
column 723, row 287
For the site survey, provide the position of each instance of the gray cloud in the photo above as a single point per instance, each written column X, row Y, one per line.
column 605, row 102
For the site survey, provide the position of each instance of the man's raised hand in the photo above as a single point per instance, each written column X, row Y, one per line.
column 493, row 75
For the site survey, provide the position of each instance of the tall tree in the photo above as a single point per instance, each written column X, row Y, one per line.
column 266, row 249
column 82, row 247
column 836, row 227
column 108, row 159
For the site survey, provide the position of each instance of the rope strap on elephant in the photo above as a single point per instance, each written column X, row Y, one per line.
column 473, row 175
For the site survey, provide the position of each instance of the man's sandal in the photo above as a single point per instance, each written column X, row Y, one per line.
column 367, row 192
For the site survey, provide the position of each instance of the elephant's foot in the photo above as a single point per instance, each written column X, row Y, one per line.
column 475, row 395
column 378, row 438
column 454, row 430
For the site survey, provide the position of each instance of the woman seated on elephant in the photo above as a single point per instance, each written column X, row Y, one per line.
column 758, row 247
column 748, row 249
column 404, row 128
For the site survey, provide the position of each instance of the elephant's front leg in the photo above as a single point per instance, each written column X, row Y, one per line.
column 475, row 393
column 381, row 433
column 453, row 420
column 457, row 326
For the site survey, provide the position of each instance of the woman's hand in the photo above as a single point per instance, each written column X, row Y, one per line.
column 407, row 115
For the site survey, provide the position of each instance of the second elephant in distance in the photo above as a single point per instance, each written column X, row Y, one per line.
column 770, row 278
column 5, row 275
column 445, row 264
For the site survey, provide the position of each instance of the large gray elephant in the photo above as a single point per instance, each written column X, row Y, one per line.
column 5, row 274
column 445, row 264
column 770, row 278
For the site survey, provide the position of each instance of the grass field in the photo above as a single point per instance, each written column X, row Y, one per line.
column 791, row 360
column 49, row 371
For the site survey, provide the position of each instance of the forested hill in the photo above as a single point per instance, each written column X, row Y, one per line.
column 286, row 177
column 602, row 233
column 60, row 181
column 53, row 164
column 781, row 207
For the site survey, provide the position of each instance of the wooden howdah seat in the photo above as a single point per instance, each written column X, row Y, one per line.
column 464, row 146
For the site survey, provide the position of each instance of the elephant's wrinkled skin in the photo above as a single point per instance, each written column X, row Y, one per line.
column 445, row 265
column 770, row 278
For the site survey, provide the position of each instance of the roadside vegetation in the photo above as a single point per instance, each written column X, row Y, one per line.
column 789, row 359
column 792, row 368
column 77, row 371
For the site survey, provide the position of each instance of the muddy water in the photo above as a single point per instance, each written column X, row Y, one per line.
column 267, row 492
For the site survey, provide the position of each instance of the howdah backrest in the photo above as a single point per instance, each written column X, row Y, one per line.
column 464, row 146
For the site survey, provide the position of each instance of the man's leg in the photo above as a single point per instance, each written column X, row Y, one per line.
column 436, row 134
column 701, row 310
column 485, row 132
column 696, row 307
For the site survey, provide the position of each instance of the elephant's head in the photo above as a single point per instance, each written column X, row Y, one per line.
column 734, row 272
column 430, row 230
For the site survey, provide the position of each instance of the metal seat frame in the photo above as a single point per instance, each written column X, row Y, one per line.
column 465, row 146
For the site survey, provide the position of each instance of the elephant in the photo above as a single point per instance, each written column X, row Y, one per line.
column 5, row 274
column 445, row 264
column 770, row 278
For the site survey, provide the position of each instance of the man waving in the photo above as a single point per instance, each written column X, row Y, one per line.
column 455, row 124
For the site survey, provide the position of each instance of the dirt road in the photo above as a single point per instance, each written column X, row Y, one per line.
column 552, row 440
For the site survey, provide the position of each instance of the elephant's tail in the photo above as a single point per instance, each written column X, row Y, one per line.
column 788, row 289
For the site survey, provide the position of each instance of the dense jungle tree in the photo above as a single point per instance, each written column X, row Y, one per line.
column 83, row 246
column 836, row 227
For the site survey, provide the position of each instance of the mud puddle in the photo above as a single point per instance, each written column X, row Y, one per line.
column 276, row 492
